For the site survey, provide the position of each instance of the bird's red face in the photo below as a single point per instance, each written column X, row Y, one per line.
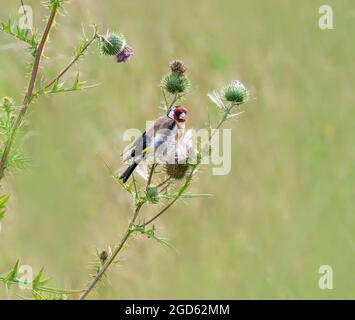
column 180, row 114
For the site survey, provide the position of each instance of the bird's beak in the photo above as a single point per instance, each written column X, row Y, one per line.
column 182, row 116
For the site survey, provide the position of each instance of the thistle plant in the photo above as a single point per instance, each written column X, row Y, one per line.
column 13, row 114
column 166, row 184
column 158, row 184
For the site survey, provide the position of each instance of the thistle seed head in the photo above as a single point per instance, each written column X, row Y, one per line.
column 176, row 170
column 178, row 67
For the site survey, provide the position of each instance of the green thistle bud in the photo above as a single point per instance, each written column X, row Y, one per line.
column 174, row 83
column 112, row 44
column 236, row 93
column 153, row 194
column 176, row 170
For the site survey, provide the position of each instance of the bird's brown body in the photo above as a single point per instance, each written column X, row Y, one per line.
column 165, row 130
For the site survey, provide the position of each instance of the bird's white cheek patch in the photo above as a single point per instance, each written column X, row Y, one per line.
column 182, row 116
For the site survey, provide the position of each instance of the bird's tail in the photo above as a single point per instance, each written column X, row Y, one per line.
column 125, row 175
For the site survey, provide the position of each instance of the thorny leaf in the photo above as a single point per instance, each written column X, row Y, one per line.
column 38, row 281
column 14, row 30
column 150, row 233
column 12, row 275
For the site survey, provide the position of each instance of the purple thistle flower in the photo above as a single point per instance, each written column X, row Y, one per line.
column 124, row 55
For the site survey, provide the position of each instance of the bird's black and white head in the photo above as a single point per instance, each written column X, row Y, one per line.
column 179, row 114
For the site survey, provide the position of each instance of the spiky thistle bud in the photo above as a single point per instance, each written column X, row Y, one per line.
column 236, row 92
column 174, row 83
column 103, row 256
column 152, row 194
column 178, row 67
column 112, row 44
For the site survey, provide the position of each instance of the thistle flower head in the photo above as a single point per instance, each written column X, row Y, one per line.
column 174, row 83
column 112, row 44
column 178, row 67
column 178, row 156
column 124, row 55
column 235, row 92
column 176, row 170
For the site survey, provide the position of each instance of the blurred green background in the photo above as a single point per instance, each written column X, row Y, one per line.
column 286, row 208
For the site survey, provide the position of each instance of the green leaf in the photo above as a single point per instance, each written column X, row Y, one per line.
column 233, row 115
column 57, row 87
column 216, row 99
column 17, row 159
column 12, row 276
column 38, row 281
column 150, row 233
column 20, row 34
column 185, row 196
column 77, row 84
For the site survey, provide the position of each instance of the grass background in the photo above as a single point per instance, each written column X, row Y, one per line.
column 286, row 208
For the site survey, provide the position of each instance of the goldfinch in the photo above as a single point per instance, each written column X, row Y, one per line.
column 165, row 128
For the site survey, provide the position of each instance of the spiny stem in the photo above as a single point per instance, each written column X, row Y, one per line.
column 160, row 213
column 134, row 184
column 164, row 182
column 165, row 187
column 173, row 100
column 28, row 96
column 75, row 59
column 112, row 258
column 223, row 119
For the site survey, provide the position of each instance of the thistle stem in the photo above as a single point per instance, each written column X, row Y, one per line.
column 29, row 92
column 164, row 182
column 220, row 123
column 160, row 212
column 75, row 59
column 112, row 258
column 151, row 173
